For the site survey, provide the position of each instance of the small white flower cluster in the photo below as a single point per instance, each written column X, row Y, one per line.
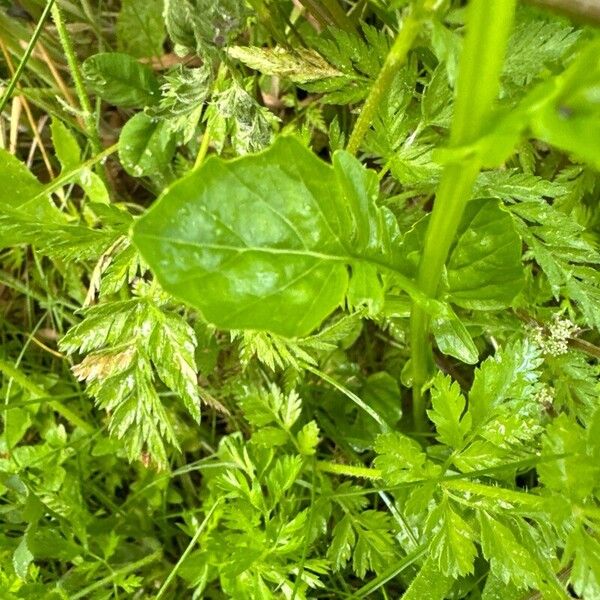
column 553, row 339
column 545, row 395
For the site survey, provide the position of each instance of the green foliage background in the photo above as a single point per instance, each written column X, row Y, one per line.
column 229, row 366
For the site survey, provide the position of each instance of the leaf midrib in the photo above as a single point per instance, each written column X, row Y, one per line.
column 402, row 280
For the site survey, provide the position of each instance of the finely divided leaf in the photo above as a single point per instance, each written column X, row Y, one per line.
column 509, row 559
column 429, row 584
column 401, row 459
column 448, row 405
column 125, row 344
column 508, row 374
column 300, row 66
column 573, row 471
column 452, row 546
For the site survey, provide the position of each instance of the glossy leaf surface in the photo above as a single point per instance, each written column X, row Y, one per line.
column 146, row 145
column 484, row 268
column 266, row 241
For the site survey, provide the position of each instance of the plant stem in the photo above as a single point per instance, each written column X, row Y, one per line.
column 84, row 100
column 84, row 593
column 395, row 59
column 187, row 551
column 390, row 573
column 349, row 394
column 489, row 25
column 203, row 149
column 32, row 42
column 63, row 178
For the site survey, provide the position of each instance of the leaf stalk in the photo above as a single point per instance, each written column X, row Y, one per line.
column 84, row 100
column 395, row 59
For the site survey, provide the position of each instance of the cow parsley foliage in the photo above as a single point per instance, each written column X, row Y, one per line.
column 300, row 299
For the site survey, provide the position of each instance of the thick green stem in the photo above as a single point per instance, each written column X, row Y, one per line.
column 488, row 28
column 395, row 59
column 84, row 100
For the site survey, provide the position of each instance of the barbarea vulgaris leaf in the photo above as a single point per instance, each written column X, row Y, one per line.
column 268, row 241
column 484, row 269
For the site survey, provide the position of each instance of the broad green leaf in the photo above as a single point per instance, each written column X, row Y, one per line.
column 16, row 423
column 65, row 145
column 146, row 145
column 448, row 406
column 382, row 393
column 93, row 186
column 140, row 28
column 69, row 154
column 121, row 80
column 484, row 269
column 267, row 241
column 365, row 289
column 451, row 548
